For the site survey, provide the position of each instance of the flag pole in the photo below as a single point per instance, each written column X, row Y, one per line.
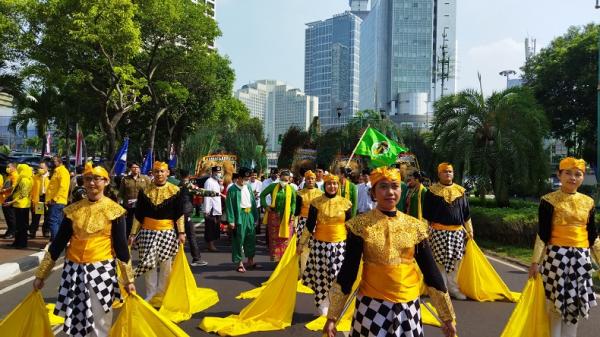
column 355, row 147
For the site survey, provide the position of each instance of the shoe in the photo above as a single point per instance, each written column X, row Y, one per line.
column 457, row 295
column 9, row 236
column 198, row 263
column 46, row 234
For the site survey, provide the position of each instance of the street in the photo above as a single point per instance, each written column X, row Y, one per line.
column 474, row 319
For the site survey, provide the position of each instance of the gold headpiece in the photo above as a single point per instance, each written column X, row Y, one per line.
column 309, row 174
column 96, row 171
column 444, row 166
column 160, row 165
column 571, row 162
column 331, row 177
column 384, row 172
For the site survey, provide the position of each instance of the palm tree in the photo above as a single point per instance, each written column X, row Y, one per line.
column 499, row 138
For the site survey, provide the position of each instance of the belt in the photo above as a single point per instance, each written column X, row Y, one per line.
column 247, row 210
column 442, row 227
column 158, row 225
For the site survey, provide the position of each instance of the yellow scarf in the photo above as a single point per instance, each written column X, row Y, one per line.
column 420, row 211
column 346, row 190
column 284, row 228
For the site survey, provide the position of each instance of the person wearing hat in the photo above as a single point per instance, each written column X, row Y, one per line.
column 567, row 239
column 414, row 195
column 365, row 202
column 347, row 188
column 279, row 214
column 305, row 196
column 21, row 202
column 327, row 234
column 130, row 187
column 240, row 206
column 158, row 228
column 213, row 208
column 446, row 207
column 393, row 247
column 93, row 233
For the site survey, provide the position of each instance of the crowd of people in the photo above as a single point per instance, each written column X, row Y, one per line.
column 386, row 230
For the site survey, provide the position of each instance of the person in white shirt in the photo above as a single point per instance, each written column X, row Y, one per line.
column 213, row 209
column 273, row 178
column 319, row 173
column 365, row 202
column 294, row 186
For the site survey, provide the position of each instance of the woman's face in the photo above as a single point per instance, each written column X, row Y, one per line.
column 331, row 187
column 570, row 179
column 387, row 194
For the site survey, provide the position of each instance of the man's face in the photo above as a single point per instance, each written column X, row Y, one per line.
column 43, row 168
column 253, row 177
column 319, row 174
column 446, row 176
column 56, row 161
column 160, row 176
column 412, row 182
column 274, row 176
column 94, row 185
column 135, row 170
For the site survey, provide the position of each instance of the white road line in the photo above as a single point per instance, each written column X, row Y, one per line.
column 514, row 266
column 23, row 282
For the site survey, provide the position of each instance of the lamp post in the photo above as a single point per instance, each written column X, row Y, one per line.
column 507, row 73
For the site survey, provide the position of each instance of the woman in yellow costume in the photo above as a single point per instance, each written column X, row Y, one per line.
column 21, row 202
column 304, row 198
column 391, row 244
column 94, row 228
column 562, row 250
column 325, row 223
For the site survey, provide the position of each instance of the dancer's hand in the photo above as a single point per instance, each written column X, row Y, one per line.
column 329, row 329
column 533, row 270
column 38, row 284
column 131, row 240
column 130, row 288
column 181, row 238
column 299, row 249
column 449, row 329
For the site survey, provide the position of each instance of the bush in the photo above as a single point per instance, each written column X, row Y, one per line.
column 505, row 225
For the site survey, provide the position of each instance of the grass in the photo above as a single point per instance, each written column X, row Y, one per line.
column 521, row 254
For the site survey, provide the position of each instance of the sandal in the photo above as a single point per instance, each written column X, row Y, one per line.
column 240, row 269
column 254, row 266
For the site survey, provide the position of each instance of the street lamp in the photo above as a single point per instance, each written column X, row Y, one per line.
column 507, row 73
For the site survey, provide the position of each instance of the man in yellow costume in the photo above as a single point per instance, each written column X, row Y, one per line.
column 57, row 196
column 94, row 229
column 158, row 227
column 446, row 207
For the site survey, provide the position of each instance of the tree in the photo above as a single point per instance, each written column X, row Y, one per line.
column 499, row 138
column 563, row 77
column 293, row 139
column 34, row 143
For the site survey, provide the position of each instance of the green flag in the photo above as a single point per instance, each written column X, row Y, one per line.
column 382, row 150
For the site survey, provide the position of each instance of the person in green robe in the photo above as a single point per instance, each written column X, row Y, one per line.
column 347, row 189
column 413, row 195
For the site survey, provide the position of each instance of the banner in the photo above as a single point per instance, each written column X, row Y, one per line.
column 121, row 159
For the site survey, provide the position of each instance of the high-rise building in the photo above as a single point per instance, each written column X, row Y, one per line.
column 279, row 106
column 210, row 12
column 359, row 8
column 331, row 67
column 403, row 45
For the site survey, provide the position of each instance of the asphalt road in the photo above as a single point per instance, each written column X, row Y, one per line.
column 474, row 319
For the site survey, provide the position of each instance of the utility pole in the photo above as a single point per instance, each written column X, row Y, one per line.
column 597, row 168
column 444, row 62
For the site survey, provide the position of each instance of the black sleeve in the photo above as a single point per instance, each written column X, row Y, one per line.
column 348, row 214
column 311, row 221
column 466, row 208
column 179, row 206
column 591, row 227
column 140, row 206
column 65, row 231
column 427, row 204
column 298, row 205
column 352, row 257
column 119, row 239
column 545, row 211
column 431, row 273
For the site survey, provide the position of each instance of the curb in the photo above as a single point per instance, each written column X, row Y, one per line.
column 11, row 269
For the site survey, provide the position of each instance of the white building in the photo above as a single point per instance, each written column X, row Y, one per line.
column 279, row 106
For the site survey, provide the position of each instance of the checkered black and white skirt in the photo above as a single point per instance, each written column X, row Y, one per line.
column 379, row 318
column 324, row 263
column 154, row 247
column 300, row 226
column 448, row 247
column 74, row 301
column 567, row 276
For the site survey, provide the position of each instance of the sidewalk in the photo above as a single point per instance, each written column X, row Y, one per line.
column 16, row 261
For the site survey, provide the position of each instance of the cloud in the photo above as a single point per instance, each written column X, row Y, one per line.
column 490, row 59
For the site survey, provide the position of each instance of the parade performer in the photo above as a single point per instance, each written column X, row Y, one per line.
column 327, row 232
column 157, row 228
column 7, row 189
column 57, row 195
column 391, row 245
column 21, row 202
column 446, row 207
column 240, row 206
column 567, row 237
column 213, row 209
column 304, row 198
column 130, row 187
column 413, row 196
column 41, row 181
column 347, row 188
column 279, row 214
column 94, row 229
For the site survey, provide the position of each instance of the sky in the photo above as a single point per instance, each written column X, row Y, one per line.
column 264, row 39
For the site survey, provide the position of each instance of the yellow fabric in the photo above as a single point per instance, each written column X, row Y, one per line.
column 529, row 318
column 441, row 227
column 160, row 165
column 13, row 177
column 158, row 224
column 478, row 280
column 54, row 319
column 419, row 203
column 448, row 192
column 139, row 319
column 29, row 318
column 39, row 181
column 271, row 310
column 346, row 190
column 569, row 209
column 58, row 189
column 308, row 195
column 89, row 217
column 284, row 229
column 95, row 171
column 287, row 258
column 158, row 194
column 444, row 166
column 396, row 283
column 331, row 177
column 330, row 232
column 91, row 249
column 570, row 163
column 309, row 174
column 331, row 214
column 381, row 173
column 183, row 298
column 22, row 191
column 570, row 236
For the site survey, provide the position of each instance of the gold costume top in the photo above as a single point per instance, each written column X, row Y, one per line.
column 446, row 207
column 159, row 208
column 326, row 218
column 393, row 247
column 566, row 220
column 304, row 197
column 95, row 232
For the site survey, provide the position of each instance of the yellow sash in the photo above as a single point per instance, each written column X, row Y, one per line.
column 393, row 283
column 420, row 211
column 442, row 227
column 330, row 233
column 158, row 225
column 93, row 249
column 284, row 225
column 346, row 190
column 570, row 236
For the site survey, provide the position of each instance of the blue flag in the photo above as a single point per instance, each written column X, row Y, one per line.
column 147, row 164
column 121, row 159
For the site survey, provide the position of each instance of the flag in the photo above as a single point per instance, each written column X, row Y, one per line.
column 172, row 158
column 48, row 143
column 375, row 145
column 78, row 146
column 147, row 164
column 121, row 158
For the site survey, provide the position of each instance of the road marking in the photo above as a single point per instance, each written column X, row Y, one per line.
column 23, row 282
column 514, row 266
